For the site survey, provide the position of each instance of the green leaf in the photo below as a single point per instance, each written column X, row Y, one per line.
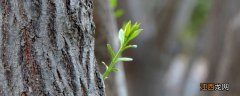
column 121, row 36
column 133, row 46
column 130, row 46
column 113, row 3
column 118, row 13
column 126, row 34
column 127, row 29
column 135, row 27
column 125, row 59
column 110, row 50
column 115, row 70
column 134, row 34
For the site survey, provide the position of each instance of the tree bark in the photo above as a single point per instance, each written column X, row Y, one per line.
column 47, row 49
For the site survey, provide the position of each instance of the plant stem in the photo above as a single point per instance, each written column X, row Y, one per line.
column 112, row 64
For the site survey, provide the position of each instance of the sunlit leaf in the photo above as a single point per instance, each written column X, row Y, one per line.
column 125, row 59
column 121, row 36
column 135, row 27
column 127, row 28
column 130, row 46
column 134, row 34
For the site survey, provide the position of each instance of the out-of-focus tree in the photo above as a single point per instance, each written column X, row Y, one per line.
column 222, row 12
column 163, row 21
column 203, row 30
column 221, row 44
column 228, row 71
column 106, row 13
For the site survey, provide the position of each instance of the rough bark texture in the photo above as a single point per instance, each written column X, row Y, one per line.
column 47, row 49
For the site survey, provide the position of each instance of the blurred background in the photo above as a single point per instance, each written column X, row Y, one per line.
column 184, row 43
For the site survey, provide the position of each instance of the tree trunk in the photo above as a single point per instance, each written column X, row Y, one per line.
column 47, row 49
column 222, row 46
column 228, row 71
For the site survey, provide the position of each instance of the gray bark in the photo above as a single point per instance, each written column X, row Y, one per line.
column 47, row 49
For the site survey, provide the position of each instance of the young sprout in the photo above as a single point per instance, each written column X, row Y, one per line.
column 125, row 35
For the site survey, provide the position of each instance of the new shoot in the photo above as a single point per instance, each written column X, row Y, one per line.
column 125, row 35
